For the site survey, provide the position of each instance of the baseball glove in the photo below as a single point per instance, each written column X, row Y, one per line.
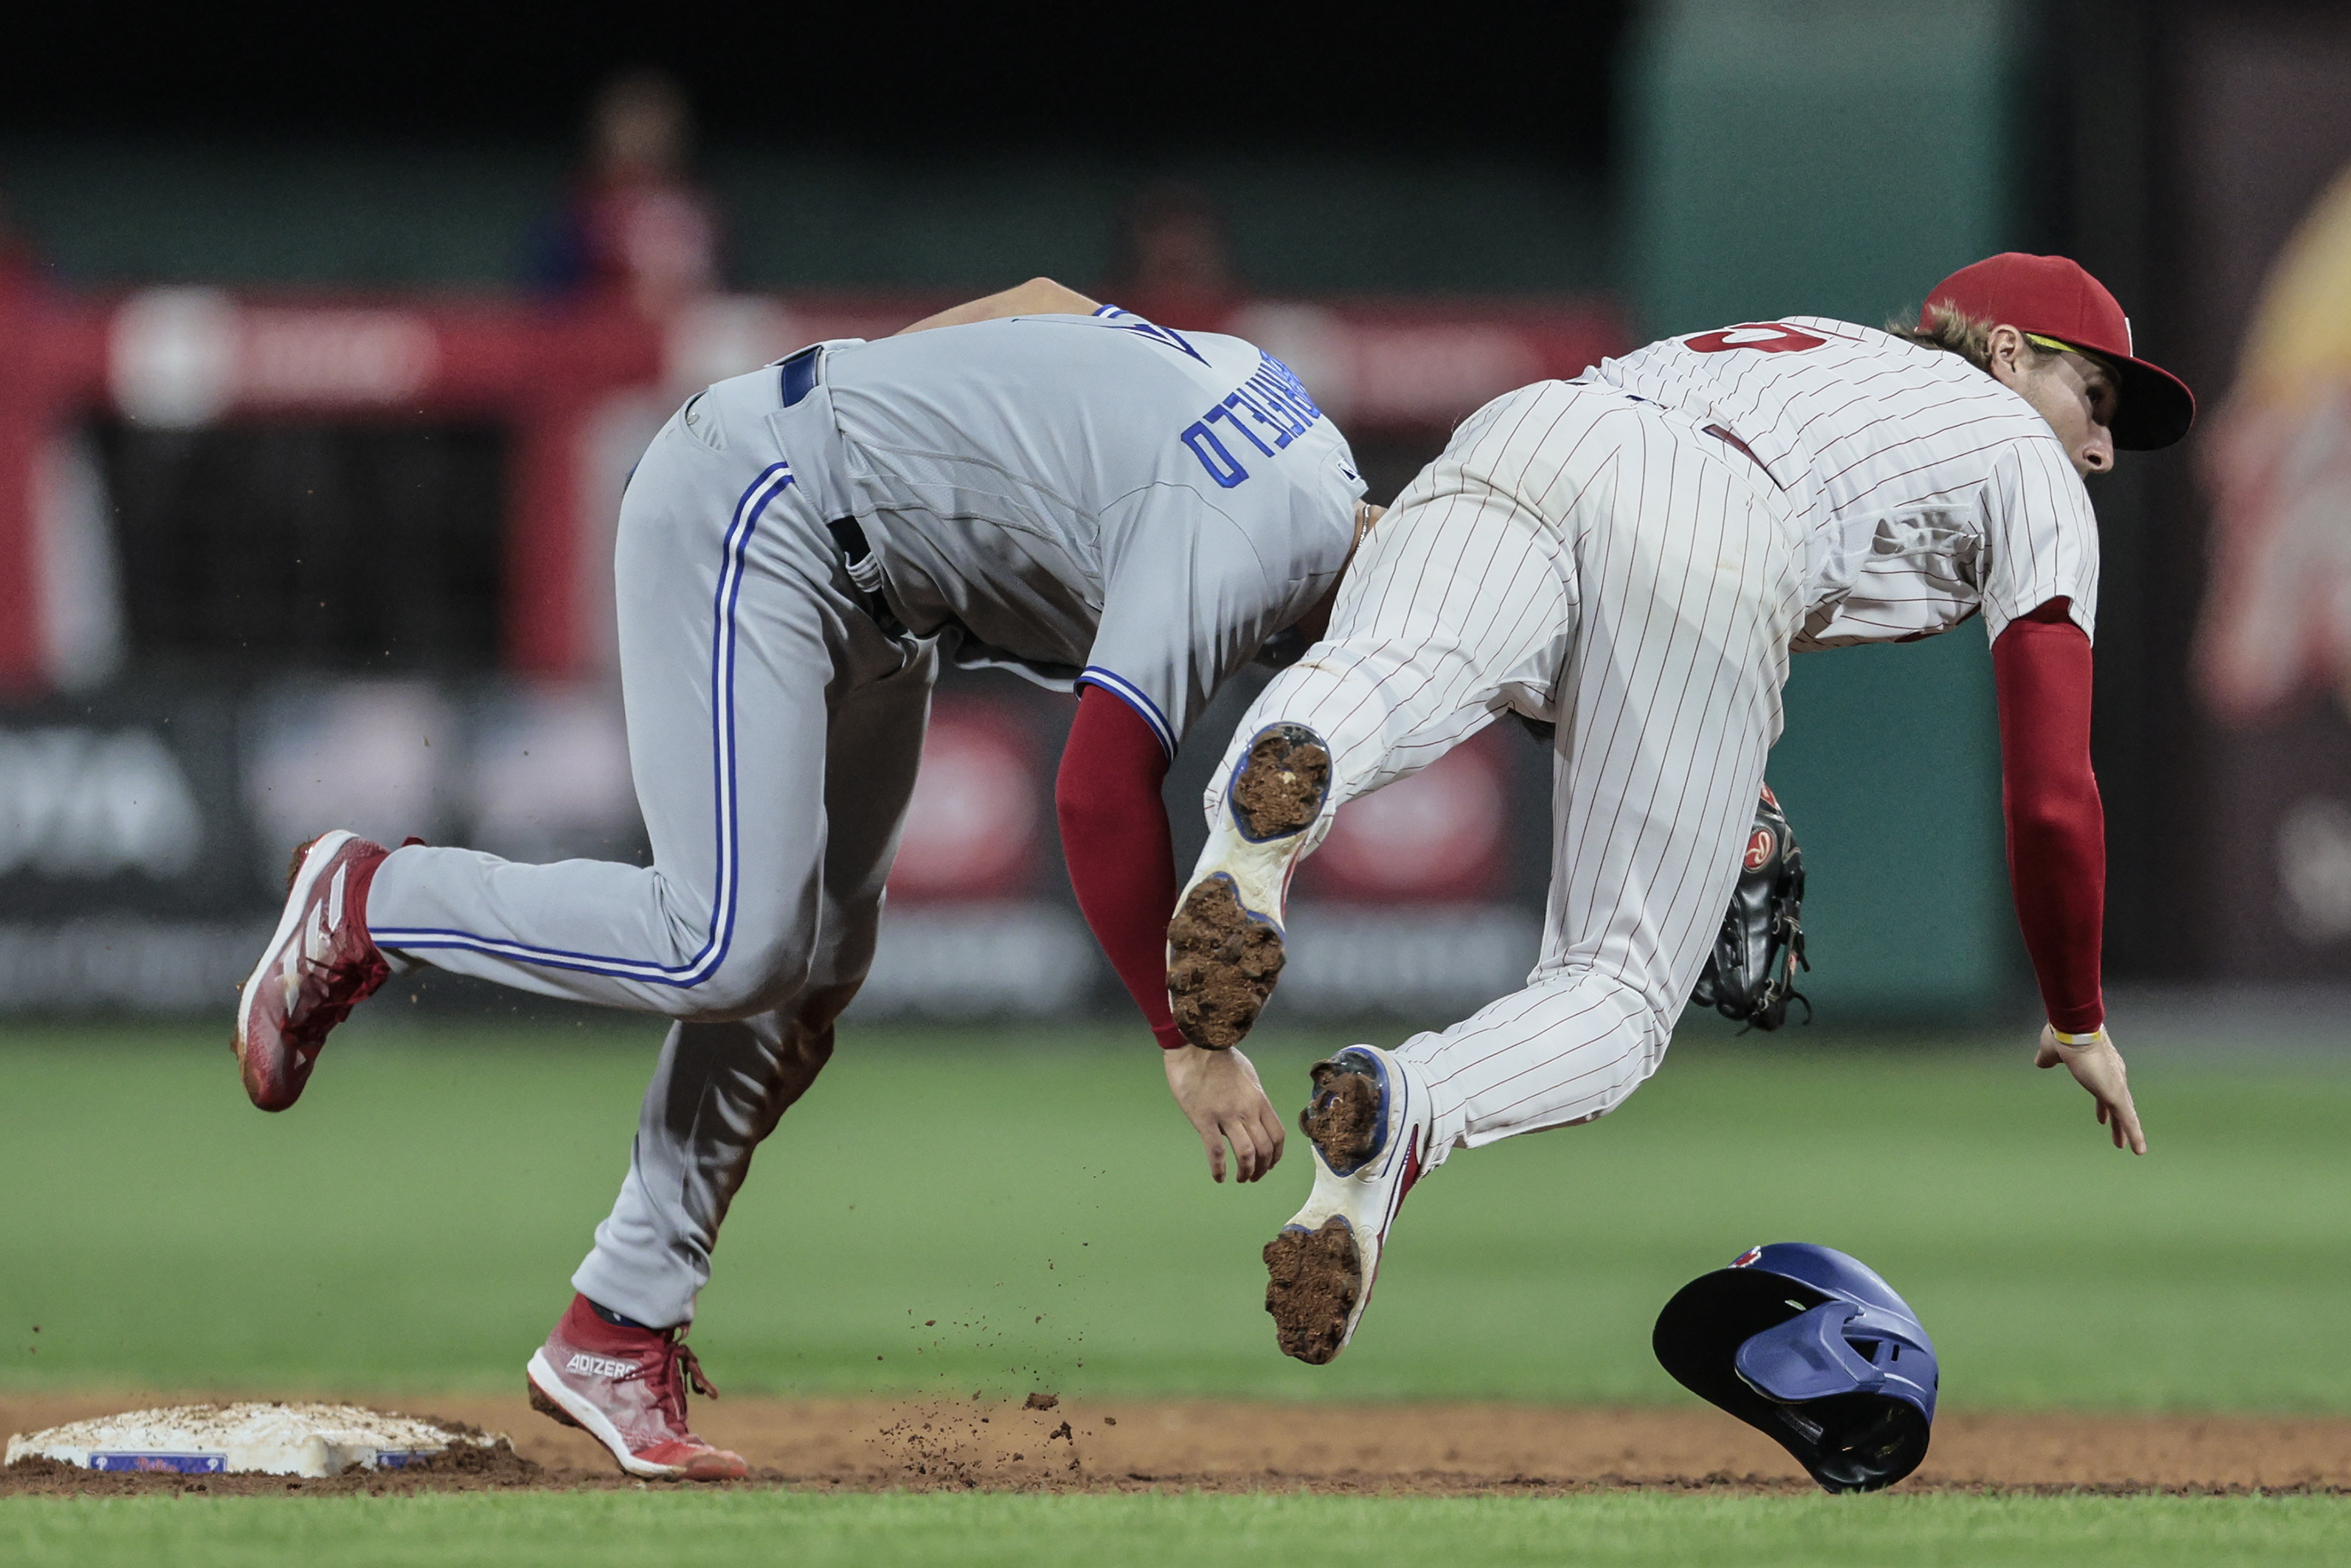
column 1752, row 973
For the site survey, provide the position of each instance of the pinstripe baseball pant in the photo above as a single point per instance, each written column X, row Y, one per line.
column 1589, row 558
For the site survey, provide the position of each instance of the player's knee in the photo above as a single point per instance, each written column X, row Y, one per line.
column 1637, row 1018
column 757, row 975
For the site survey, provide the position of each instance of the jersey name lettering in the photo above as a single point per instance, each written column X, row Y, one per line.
column 1272, row 405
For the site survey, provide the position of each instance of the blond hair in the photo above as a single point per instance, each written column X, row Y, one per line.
column 1954, row 332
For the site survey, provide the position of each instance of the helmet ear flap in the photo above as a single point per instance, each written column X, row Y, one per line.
column 1843, row 1380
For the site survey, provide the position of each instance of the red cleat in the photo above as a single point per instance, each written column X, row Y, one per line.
column 623, row 1387
column 318, row 966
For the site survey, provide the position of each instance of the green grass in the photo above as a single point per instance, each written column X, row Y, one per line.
column 413, row 1224
column 631, row 1530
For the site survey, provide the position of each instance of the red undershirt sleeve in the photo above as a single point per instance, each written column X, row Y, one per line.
column 2056, row 825
column 1115, row 839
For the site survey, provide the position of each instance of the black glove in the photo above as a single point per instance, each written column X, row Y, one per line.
column 1752, row 973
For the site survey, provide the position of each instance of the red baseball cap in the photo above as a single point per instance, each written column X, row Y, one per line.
column 2052, row 296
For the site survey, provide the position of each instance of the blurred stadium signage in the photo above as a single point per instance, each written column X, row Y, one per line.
column 144, row 834
column 581, row 390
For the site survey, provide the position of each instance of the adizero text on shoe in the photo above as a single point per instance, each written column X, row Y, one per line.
column 319, row 964
column 1367, row 1123
column 626, row 1387
column 1225, row 944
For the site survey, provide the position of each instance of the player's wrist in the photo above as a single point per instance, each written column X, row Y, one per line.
column 1169, row 1037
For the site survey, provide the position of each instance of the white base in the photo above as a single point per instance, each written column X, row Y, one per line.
column 300, row 1439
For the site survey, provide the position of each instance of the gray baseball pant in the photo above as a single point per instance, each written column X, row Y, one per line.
column 774, row 735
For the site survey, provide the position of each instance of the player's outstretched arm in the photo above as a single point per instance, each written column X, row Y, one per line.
column 2056, row 848
column 1116, row 838
column 1037, row 297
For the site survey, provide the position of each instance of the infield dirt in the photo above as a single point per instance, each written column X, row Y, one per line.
column 999, row 1445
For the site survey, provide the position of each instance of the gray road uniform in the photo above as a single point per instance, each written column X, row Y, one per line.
column 1081, row 498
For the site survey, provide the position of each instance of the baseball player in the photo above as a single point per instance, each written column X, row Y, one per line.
column 1633, row 555
column 1031, row 481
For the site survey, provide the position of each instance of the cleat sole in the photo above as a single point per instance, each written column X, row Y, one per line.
column 1314, row 1280
column 1222, row 962
column 1344, row 1119
column 1280, row 788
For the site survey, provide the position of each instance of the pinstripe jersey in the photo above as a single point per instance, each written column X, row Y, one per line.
column 1929, row 491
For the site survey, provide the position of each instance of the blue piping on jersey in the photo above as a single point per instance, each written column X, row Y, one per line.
column 1150, row 330
column 1127, row 692
column 771, row 483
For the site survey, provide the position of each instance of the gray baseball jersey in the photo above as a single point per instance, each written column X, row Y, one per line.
column 1093, row 499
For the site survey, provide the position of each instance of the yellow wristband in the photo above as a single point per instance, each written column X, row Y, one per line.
column 2062, row 1038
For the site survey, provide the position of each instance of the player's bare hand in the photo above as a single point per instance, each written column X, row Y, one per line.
column 2098, row 1067
column 1220, row 1096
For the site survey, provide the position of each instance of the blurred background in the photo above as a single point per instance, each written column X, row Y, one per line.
column 323, row 358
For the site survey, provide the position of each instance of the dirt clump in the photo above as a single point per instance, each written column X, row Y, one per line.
column 492, row 1463
column 1342, row 1117
column 1312, row 1278
column 1280, row 788
column 1041, row 1402
column 1222, row 964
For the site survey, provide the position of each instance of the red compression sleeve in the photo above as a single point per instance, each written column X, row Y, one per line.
column 1116, row 838
column 2056, row 826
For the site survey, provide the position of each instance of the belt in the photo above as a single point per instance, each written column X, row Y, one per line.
column 1718, row 432
column 864, row 573
column 797, row 376
column 801, row 372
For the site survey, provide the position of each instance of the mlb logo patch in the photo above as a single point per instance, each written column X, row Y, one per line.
column 1747, row 1258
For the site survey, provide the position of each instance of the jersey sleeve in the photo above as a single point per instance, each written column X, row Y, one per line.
column 2041, row 538
column 1188, row 598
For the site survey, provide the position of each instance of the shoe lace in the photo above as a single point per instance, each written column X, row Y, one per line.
column 672, row 1374
column 691, row 1365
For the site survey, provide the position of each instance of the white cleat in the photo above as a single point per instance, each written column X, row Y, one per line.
column 1368, row 1124
column 1225, row 944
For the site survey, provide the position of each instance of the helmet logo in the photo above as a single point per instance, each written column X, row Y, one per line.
column 1745, row 1257
column 1760, row 845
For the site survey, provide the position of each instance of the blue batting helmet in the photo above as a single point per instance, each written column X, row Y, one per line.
column 1813, row 1350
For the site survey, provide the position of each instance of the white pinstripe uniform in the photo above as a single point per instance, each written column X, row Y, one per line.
column 1633, row 555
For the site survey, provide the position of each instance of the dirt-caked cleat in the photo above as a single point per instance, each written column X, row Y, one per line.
column 1224, row 947
column 318, row 966
column 625, row 1386
column 1368, row 1124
